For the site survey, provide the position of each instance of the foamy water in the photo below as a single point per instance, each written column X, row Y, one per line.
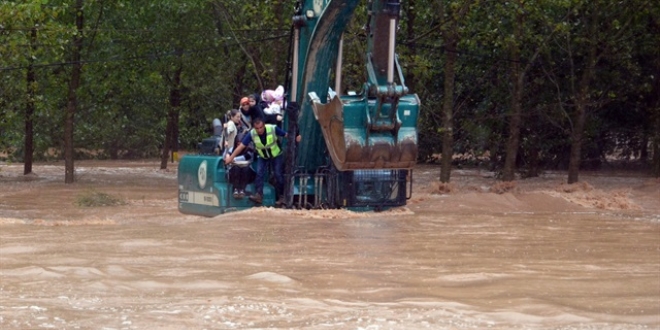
column 469, row 259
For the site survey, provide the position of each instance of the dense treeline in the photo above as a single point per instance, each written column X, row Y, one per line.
column 518, row 86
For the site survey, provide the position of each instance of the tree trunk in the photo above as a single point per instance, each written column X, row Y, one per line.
column 515, row 119
column 576, row 138
column 411, row 17
column 239, row 78
column 654, row 109
column 515, row 114
column 72, row 102
column 656, row 152
column 655, row 128
column 172, row 127
column 581, row 100
column 451, row 40
column 533, row 162
column 644, row 146
column 29, row 109
column 217, row 14
column 279, row 57
column 29, row 126
column 451, row 37
column 580, row 118
column 251, row 53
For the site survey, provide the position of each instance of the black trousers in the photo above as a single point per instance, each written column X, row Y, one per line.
column 240, row 176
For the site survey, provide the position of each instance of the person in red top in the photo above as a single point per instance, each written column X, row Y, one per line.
column 250, row 111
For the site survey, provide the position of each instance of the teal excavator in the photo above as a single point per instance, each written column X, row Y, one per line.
column 357, row 150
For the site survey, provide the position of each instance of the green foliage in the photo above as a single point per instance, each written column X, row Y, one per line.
column 95, row 199
column 30, row 36
column 228, row 49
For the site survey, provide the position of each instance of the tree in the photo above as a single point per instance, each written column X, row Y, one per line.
column 453, row 15
column 534, row 83
column 534, row 42
column 597, row 31
column 31, row 82
column 172, row 128
column 72, row 99
column 262, row 54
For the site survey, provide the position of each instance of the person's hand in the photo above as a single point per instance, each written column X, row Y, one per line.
column 298, row 138
column 228, row 159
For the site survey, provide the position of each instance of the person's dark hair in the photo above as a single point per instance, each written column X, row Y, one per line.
column 257, row 120
column 233, row 112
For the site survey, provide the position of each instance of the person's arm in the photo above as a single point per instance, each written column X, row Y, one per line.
column 281, row 132
column 239, row 149
column 231, row 134
column 241, row 146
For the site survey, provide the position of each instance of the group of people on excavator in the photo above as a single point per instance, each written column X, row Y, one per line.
column 254, row 133
column 268, row 105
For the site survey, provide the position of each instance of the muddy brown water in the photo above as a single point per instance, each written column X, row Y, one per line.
column 541, row 256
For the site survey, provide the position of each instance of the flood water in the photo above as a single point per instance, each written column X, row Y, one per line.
column 535, row 258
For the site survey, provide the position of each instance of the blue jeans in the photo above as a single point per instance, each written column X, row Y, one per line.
column 278, row 168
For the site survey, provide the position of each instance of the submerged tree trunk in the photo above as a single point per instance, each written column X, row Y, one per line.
column 655, row 128
column 644, row 146
column 29, row 125
column 451, row 36
column 654, row 108
column 581, row 105
column 29, row 109
column 448, row 106
column 576, row 139
column 72, row 103
column 515, row 120
column 533, row 162
column 172, row 128
column 656, row 152
column 515, row 114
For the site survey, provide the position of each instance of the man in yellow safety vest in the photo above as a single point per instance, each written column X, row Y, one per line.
column 264, row 136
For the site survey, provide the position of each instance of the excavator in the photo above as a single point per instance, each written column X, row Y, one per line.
column 357, row 150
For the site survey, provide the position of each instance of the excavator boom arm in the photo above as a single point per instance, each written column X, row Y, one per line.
column 375, row 129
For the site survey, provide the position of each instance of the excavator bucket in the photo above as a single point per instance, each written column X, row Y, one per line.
column 356, row 140
column 375, row 129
